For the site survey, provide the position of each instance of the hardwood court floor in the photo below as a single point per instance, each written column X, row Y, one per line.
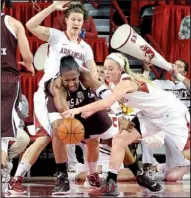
column 127, row 189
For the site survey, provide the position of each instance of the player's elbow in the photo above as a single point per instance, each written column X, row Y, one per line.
column 27, row 57
column 29, row 25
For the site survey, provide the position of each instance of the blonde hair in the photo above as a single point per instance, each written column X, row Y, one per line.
column 133, row 76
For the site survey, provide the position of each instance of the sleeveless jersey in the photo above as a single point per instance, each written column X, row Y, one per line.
column 60, row 45
column 8, row 46
column 153, row 101
column 80, row 97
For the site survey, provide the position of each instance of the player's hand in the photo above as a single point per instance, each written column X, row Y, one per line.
column 60, row 5
column 125, row 124
column 70, row 113
column 29, row 67
column 155, row 141
column 86, row 115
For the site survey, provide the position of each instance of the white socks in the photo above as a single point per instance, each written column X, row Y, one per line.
column 113, row 171
column 92, row 167
column 22, row 169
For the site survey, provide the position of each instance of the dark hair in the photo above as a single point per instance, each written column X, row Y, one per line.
column 185, row 65
column 7, row 4
column 67, row 63
column 2, row 3
column 78, row 8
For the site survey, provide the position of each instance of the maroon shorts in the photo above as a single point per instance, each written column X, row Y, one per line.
column 10, row 89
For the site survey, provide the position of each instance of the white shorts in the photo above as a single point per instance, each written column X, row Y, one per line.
column 41, row 111
column 173, row 124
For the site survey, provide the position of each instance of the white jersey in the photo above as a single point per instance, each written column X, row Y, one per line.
column 59, row 46
column 177, row 88
column 160, row 111
column 153, row 101
column 128, row 112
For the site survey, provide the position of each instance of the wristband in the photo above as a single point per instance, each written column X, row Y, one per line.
column 180, row 77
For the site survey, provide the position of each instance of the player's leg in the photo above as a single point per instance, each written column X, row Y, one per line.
column 71, row 156
column 4, row 162
column 120, row 142
column 92, row 156
column 59, row 150
column 176, row 164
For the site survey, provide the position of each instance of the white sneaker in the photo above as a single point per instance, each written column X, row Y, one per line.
column 80, row 168
column 6, row 172
column 186, row 177
column 72, row 167
column 158, row 176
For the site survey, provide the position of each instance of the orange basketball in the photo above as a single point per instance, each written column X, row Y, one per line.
column 71, row 131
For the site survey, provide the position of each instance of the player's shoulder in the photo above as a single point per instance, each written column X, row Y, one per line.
column 15, row 21
column 84, row 44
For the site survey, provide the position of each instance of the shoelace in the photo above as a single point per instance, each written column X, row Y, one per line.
column 104, row 185
column 148, row 178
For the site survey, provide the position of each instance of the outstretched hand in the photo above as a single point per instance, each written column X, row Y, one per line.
column 60, row 5
column 70, row 113
column 29, row 67
column 125, row 124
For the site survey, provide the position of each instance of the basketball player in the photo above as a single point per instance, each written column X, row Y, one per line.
column 13, row 34
column 69, row 80
column 60, row 44
column 157, row 114
column 21, row 141
column 64, row 92
column 178, row 85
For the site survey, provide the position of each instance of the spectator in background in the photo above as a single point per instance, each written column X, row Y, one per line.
column 179, row 85
column 178, row 80
column 88, row 29
column 184, row 32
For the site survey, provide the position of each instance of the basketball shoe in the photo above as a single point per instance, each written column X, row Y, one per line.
column 63, row 184
column 93, row 181
column 15, row 186
column 106, row 189
column 144, row 180
column 5, row 173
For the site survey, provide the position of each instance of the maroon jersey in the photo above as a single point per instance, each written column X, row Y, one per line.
column 8, row 47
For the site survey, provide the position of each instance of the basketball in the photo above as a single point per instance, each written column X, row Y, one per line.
column 71, row 131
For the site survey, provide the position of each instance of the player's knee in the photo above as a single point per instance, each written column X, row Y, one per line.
column 42, row 141
column 93, row 143
column 173, row 175
column 23, row 140
column 118, row 140
column 55, row 126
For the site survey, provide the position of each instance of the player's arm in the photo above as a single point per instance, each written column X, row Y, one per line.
column 88, row 79
column 92, row 67
column 59, row 95
column 34, row 26
column 119, row 91
column 23, row 43
column 186, row 82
